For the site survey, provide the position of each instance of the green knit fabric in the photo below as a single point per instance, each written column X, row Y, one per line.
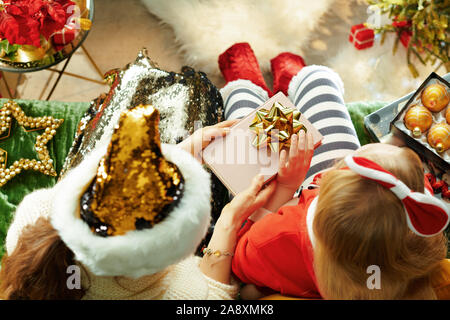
column 358, row 110
column 21, row 145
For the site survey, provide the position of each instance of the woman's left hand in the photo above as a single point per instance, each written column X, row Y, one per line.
column 202, row 137
column 247, row 202
column 292, row 172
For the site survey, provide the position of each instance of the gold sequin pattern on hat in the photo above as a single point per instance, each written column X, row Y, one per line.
column 135, row 186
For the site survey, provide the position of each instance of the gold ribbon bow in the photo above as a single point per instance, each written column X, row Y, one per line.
column 276, row 126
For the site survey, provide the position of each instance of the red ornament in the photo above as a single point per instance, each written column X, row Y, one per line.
column 405, row 38
column 438, row 186
column 361, row 36
column 402, row 23
column 404, row 30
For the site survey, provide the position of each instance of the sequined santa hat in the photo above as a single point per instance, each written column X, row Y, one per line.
column 133, row 206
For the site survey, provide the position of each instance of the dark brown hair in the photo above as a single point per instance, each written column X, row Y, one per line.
column 36, row 269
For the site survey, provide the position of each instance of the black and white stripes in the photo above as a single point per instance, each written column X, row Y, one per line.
column 241, row 97
column 318, row 93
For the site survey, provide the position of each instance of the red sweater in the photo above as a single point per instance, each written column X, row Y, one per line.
column 277, row 253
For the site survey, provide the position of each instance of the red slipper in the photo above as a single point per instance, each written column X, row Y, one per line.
column 284, row 67
column 239, row 62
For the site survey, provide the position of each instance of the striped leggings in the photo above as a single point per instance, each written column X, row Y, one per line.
column 317, row 92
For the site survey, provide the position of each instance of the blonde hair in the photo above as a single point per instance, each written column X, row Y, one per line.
column 359, row 223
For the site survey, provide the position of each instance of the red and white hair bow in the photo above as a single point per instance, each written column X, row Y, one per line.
column 426, row 215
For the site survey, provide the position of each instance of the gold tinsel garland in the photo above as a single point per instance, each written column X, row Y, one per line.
column 427, row 24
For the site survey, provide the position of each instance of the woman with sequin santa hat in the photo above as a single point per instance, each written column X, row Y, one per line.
column 129, row 217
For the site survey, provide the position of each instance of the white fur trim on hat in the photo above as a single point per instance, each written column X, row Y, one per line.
column 139, row 252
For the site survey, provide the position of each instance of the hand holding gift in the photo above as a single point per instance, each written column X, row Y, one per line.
column 292, row 171
column 202, row 137
column 253, row 144
column 280, row 128
column 247, row 202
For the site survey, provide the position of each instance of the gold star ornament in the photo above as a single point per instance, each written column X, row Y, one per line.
column 49, row 124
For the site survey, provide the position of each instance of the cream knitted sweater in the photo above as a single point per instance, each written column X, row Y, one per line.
column 181, row 281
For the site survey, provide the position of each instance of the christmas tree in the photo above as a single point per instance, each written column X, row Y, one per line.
column 422, row 26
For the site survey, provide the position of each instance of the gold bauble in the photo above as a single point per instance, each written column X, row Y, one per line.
column 439, row 137
column 435, row 97
column 29, row 53
column 418, row 119
column 447, row 115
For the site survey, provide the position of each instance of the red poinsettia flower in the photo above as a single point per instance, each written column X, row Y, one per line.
column 18, row 27
column 23, row 21
column 51, row 14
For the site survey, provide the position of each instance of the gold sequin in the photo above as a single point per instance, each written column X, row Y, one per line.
column 134, row 184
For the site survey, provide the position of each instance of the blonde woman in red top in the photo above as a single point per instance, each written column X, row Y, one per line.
column 358, row 208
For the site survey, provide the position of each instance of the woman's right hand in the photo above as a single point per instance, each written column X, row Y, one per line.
column 202, row 137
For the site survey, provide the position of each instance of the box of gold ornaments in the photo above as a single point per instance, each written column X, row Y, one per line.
column 424, row 122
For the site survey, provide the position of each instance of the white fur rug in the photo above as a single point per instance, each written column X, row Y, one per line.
column 204, row 29
column 316, row 29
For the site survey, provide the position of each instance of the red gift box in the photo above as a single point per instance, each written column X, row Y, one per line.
column 235, row 160
column 361, row 36
column 65, row 36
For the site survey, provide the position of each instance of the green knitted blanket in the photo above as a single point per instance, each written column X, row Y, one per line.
column 21, row 145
